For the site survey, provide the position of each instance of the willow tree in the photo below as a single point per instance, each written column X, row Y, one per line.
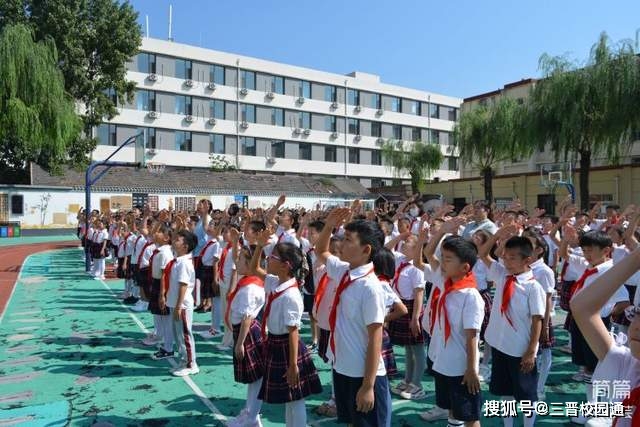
column 417, row 159
column 587, row 110
column 487, row 135
column 37, row 117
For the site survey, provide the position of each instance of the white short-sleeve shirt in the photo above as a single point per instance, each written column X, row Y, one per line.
column 161, row 260
column 620, row 295
column 480, row 270
column 323, row 310
column 139, row 243
column 228, row 266
column 131, row 245
column 248, row 301
column 577, row 265
column 527, row 301
column 101, row 236
column 410, row 278
column 286, row 310
column 211, row 252
column 544, row 275
column 361, row 305
column 182, row 272
column 146, row 255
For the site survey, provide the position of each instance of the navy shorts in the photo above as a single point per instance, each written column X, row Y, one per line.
column 508, row 380
column 307, row 300
column 581, row 353
column 451, row 394
column 346, row 389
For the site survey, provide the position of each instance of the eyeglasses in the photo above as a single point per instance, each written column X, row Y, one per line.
column 277, row 258
column 631, row 312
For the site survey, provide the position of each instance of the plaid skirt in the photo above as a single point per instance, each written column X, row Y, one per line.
column 552, row 339
column 388, row 357
column 207, row 288
column 274, row 384
column 565, row 294
column 251, row 368
column 154, row 307
column 399, row 330
column 488, row 303
column 323, row 344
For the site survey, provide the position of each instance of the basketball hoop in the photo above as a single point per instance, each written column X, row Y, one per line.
column 156, row 168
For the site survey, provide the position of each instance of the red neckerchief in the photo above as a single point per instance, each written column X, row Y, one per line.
column 580, row 282
column 245, row 281
column 433, row 308
column 344, row 284
column 396, row 277
column 507, row 293
column 146, row 245
column 467, row 282
column 223, row 258
column 322, row 288
column 166, row 275
column 632, row 400
column 198, row 260
column 267, row 310
column 565, row 267
column 153, row 255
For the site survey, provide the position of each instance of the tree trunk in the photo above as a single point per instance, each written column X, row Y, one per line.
column 415, row 183
column 487, row 175
column 585, row 167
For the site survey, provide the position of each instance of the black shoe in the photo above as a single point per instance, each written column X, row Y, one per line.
column 130, row 300
column 162, row 354
column 198, row 309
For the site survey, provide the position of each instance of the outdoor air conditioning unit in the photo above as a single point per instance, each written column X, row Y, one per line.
column 270, row 95
column 297, row 131
column 380, row 141
column 152, row 114
column 334, row 135
column 244, row 91
column 271, row 160
column 211, row 121
column 211, row 86
column 380, row 112
column 189, row 119
column 334, row 105
column 188, row 83
column 307, row 131
column 152, row 77
column 244, row 125
column 357, row 109
column 300, row 100
column 358, row 137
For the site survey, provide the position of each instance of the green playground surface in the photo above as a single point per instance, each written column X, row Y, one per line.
column 26, row 240
column 71, row 354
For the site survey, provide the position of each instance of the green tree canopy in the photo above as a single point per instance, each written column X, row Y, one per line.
column 417, row 159
column 37, row 117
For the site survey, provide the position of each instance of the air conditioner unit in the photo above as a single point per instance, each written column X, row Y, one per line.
column 300, row 100
column 152, row 114
column 380, row 112
column 270, row 95
column 244, row 91
column 380, row 141
column 152, row 77
column 358, row 137
column 271, row 161
column 152, row 151
column 211, row 121
column 244, row 125
column 307, row 131
column 334, row 105
column 188, row 83
column 297, row 131
column 189, row 119
column 211, row 86
column 357, row 109
column 334, row 135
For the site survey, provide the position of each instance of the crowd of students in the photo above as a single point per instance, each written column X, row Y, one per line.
column 477, row 288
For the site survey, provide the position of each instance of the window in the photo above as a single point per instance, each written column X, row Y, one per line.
column 330, row 154
column 452, row 163
column 353, row 97
column 435, row 136
column 216, row 109
column 396, row 130
column 151, row 137
column 216, row 74
column 183, row 69
column 414, row 108
column 277, row 117
column 107, row 134
column 396, row 105
column 112, row 95
column 277, row 149
column 247, row 146
column 377, row 182
column 183, row 105
column 453, row 114
column 304, row 120
column 376, row 157
column 304, row 151
column 147, row 63
column 145, row 100
column 247, row 79
column 305, row 89
column 183, row 141
column 330, row 94
column 278, row 85
column 353, row 126
column 434, row 111
column 415, row 134
column 330, row 124
column 354, row 155
column 216, row 143
column 375, row 101
column 185, row 203
column 248, row 113
column 376, row 129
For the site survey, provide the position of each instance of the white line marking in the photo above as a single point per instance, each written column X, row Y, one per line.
column 15, row 285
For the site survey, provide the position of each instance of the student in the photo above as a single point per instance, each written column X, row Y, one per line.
column 206, row 271
column 163, row 326
column 99, row 250
column 290, row 374
column 182, row 280
column 480, row 270
column 617, row 363
column 246, row 300
column 226, row 271
column 144, row 273
column 356, row 320
column 138, row 242
column 516, row 320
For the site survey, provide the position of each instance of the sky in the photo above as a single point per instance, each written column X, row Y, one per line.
column 457, row 48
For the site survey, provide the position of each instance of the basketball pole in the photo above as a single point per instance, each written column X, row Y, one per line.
column 89, row 181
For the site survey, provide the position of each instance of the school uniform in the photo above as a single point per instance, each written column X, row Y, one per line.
column 121, row 255
column 128, row 253
column 182, row 273
column 144, row 270
column 407, row 279
column 388, row 357
column 246, row 301
column 226, row 267
column 480, row 270
column 509, row 331
column 617, row 255
column 323, row 301
column 163, row 325
column 569, row 273
column 308, row 287
column 207, row 256
column 138, row 246
column 545, row 276
column 283, row 310
column 460, row 307
column 359, row 302
column 98, row 268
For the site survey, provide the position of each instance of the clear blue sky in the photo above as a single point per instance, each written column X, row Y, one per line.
column 459, row 48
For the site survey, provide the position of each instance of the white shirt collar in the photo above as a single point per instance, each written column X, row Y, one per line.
column 360, row 271
column 607, row 264
column 527, row 276
column 184, row 257
column 284, row 285
column 537, row 263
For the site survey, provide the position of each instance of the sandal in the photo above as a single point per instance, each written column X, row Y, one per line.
column 322, row 409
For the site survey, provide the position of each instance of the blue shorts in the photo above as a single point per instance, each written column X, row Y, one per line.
column 346, row 389
column 451, row 394
column 508, row 380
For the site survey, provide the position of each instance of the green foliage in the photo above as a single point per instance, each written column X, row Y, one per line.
column 37, row 117
column 220, row 163
column 417, row 159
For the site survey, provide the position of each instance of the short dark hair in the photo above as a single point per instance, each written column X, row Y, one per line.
column 522, row 244
column 536, row 234
column 292, row 255
column 257, row 226
column 316, row 225
column 369, row 233
column 596, row 238
column 384, row 264
column 554, row 219
column 463, row 249
column 189, row 238
column 613, row 206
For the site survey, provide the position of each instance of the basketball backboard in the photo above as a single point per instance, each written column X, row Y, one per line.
column 552, row 174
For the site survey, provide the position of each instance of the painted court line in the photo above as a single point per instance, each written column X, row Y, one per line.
column 15, row 285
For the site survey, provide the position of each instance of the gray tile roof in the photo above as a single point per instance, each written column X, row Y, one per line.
column 202, row 181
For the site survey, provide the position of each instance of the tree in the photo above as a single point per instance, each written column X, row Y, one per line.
column 220, row 163
column 37, row 117
column 486, row 136
column 585, row 111
column 418, row 160
column 94, row 39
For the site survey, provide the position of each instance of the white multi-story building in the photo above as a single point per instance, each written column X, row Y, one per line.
column 269, row 117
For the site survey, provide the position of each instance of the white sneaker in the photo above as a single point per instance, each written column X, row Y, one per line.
column 140, row 306
column 451, row 422
column 240, row 420
column 183, row 372
column 151, row 340
column 413, row 392
column 435, row 414
column 209, row 333
column 223, row 347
